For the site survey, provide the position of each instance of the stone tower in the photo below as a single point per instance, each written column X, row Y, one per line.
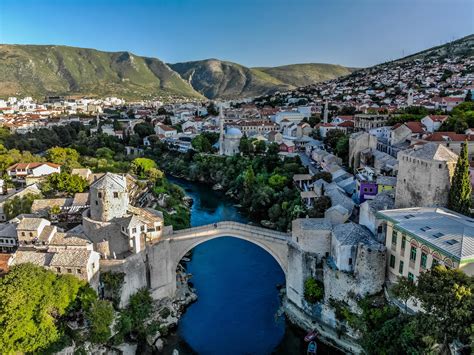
column 109, row 198
column 424, row 176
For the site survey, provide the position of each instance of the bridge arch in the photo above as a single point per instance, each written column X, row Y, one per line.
column 169, row 251
column 273, row 242
column 276, row 257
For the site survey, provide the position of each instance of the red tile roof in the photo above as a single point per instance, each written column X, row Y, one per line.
column 449, row 136
column 415, row 127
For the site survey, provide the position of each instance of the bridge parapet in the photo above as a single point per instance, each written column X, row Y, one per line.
column 229, row 226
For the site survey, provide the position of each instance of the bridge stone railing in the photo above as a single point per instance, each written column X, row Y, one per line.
column 229, row 226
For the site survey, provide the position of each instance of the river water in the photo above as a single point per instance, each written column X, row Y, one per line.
column 237, row 287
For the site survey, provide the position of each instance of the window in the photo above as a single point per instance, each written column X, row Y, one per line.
column 379, row 229
column 440, row 166
column 438, row 235
column 134, row 230
column 23, row 234
column 69, row 271
column 96, row 202
column 394, row 238
column 400, row 267
column 451, row 241
column 411, row 277
column 392, row 261
column 31, row 234
column 99, row 194
column 115, row 194
column 424, row 257
column 142, row 228
column 79, row 271
column 93, row 266
column 435, row 262
column 404, row 241
column 350, row 261
column 413, row 253
column 58, row 269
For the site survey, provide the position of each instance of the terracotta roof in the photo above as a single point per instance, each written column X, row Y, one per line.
column 166, row 128
column 346, row 124
column 415, row 127
column 449, row 136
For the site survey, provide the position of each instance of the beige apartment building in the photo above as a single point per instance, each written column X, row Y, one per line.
column 419, row 238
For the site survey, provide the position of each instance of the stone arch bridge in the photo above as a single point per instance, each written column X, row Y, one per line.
column 177, row 244
column 155, row 267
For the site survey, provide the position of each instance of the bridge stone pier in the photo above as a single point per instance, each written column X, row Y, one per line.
column 164, row 256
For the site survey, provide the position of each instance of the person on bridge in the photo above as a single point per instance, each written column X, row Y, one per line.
column 215, row 225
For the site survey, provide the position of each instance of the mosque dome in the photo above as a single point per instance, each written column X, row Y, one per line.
column 233, row 132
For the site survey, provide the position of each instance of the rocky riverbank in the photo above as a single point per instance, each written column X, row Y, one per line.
column 328, row 335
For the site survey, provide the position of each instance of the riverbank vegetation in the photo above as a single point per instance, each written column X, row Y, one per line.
column 446, row 300
column 262, row 184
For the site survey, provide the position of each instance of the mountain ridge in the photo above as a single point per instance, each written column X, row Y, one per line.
column 40, row 70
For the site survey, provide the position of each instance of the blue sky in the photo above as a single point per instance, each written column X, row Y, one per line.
column 251, row 32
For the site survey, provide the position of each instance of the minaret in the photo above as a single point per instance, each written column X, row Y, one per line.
column 326, row 112
column 221, row 127
column 410, row 98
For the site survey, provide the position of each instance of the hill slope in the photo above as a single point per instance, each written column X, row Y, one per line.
column 463, row 47
column 306, row 74
column 220, row 79
column 41, row 70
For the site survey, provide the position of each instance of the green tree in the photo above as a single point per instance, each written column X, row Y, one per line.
column 201, row 144
column 249, row 178
column 100, row 316
column 260, row 147
column 19, row 205
column 67, row 157
column 144, row 129
column 342, row 148
column 104, row 153
column 313, row 290
column 447, row 299
column 403, row 290
column 31, row 301
column 277, row 181
column 65, row 182
column 332, row 137
column 460, row 192
column 468, row 96
column 245, row 146
column 141, row 166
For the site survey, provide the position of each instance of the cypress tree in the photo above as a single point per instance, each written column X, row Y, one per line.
column 460, row 192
